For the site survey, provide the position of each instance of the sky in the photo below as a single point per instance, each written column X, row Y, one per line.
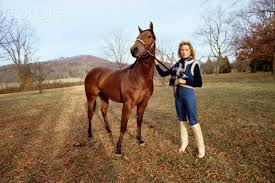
column 64, row 28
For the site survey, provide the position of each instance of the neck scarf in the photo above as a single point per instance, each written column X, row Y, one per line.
column 178, row 70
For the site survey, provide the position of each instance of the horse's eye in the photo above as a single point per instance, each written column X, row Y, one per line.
column 149, row 36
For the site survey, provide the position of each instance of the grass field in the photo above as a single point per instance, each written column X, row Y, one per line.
column 43, row 137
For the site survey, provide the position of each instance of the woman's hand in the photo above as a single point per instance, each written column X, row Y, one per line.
column 156, row 62
column 181, row 81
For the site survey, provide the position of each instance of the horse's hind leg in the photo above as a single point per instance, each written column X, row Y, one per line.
column 91, row 105
column 104, row 108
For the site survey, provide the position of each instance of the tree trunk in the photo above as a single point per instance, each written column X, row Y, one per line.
column 24, row 77
column 26, row 83
column 255, row 66
column 40, row 89
column 217, row 65
column 273, row 65
column 39, row 85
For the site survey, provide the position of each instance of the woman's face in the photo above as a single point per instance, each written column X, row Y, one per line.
column 185, row 51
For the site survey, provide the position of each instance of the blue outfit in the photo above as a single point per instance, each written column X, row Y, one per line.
column 185, row 99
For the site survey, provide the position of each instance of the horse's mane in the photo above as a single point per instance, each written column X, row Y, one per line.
column 132, row 65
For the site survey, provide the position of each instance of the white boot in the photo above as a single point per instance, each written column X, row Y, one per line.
column 199, row 140
column 184, row 136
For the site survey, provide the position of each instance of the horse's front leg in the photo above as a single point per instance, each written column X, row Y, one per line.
column 126, row 110
column 140, row 111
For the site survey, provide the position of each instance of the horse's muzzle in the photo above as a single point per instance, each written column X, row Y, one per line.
column 134, row 51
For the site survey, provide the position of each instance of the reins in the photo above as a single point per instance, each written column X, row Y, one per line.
column 157, row 60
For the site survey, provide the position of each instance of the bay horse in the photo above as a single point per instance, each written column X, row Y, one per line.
column 132, row 86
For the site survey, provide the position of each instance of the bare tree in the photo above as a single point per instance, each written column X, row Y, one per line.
column 18, row 49
column 215, row 32
column 39, row 73
column 5, row 26
column 167, row 57
column 83, row 71
column 3, row 21
column 117, row 49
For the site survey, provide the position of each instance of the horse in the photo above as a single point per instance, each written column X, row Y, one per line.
column 132, row 86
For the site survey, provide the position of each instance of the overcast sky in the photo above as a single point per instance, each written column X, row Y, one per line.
column 64, row 28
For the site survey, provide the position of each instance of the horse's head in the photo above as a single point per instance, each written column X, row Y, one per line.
column 144, row 42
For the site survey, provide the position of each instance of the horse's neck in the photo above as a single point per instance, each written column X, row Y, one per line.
column 145, row 68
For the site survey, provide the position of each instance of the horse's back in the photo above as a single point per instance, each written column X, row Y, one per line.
column 94, row 76
column 96, row 72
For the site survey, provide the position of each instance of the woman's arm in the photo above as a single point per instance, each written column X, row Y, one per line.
column 161, row 72
column 197, row 82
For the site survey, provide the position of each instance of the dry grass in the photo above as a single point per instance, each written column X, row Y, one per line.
column 43, row 138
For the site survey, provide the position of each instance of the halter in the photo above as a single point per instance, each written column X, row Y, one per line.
column 148, row 52
column 142, row 42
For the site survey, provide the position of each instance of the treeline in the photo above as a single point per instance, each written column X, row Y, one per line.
column 247, row 34
column 209, row 67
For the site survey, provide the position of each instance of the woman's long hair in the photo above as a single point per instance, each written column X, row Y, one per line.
column 190, row 46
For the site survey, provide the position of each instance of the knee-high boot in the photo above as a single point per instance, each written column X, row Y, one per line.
column 199, row 140
column 183, row 135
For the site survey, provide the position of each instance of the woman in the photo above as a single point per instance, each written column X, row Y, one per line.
column 185, row 75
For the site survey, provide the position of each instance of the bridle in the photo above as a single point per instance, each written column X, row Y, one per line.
column 148, row 51
column 142, row 42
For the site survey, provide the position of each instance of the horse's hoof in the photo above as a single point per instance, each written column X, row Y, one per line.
column 109, row 130
column 118, row 155
column 90, row 136
column 142, row 144
column 140, row 141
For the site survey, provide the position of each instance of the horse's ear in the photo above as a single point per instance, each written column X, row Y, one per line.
column 140, row 30
column 151, row 25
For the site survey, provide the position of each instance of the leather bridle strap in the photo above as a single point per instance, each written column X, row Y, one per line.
column 142, row 42
column 148, row 51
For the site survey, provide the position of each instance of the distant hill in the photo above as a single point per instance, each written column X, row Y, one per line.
column 69, row 67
